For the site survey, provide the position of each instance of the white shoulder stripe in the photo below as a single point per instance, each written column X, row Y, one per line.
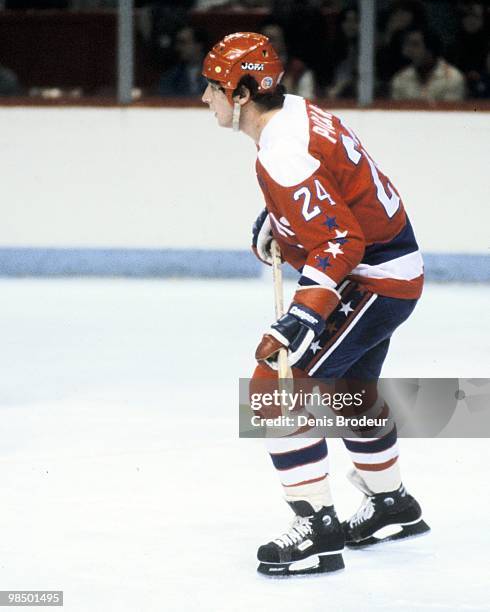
column 284, row 142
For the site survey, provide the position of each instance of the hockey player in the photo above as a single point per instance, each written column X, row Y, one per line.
column 341, row 223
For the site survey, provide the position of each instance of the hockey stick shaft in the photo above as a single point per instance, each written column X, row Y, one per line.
column 284, row 369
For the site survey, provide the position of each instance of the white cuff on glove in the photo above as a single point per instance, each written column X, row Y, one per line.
column 264, row 239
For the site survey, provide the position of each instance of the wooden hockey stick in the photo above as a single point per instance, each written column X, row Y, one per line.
column 284, row 370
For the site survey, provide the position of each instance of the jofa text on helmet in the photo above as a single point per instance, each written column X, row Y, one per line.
column 252, row 66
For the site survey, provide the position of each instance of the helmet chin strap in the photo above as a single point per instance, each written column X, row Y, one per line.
column 235, row 122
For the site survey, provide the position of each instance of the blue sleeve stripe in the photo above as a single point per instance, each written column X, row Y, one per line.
column 304, row 281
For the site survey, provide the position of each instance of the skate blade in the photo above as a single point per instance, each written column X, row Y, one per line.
column 316, row 564
column 398, row 532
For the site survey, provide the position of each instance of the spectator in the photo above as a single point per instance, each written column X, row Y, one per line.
column 343, row 57
column 185, row 78
column 158, row 25
column 470, row 50
column 428, row 76
column 9, row 83
column 403, row 15
column 204, row 5
column 298, row 79
column 481, row 87
column 234, row 5
column 14, row 5
column 304, row 31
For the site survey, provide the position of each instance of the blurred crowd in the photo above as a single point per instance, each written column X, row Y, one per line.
column 425, row 50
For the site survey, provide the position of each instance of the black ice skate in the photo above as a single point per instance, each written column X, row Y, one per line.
column 384, row 517
column 313, row 545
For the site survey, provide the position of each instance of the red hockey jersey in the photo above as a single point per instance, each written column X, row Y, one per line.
column 332, row 210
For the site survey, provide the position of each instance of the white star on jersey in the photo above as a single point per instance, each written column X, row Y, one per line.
column 335, row 249
column 315, row 346
column 346, row 308
column 340, row 234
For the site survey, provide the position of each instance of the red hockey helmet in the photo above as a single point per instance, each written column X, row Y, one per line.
column 240, row 54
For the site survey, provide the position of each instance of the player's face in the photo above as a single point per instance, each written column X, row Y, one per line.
column 218, row 103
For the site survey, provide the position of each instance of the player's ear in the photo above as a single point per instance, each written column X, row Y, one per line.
column 242, row 96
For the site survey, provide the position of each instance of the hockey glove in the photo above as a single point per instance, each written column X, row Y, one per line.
column 295, row 331
column 262, row 237
column 299, row 327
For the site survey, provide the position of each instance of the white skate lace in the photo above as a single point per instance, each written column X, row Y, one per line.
column 365, row 512
column 300, row 527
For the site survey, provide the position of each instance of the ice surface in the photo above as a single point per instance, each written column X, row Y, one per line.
column 124, row 482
